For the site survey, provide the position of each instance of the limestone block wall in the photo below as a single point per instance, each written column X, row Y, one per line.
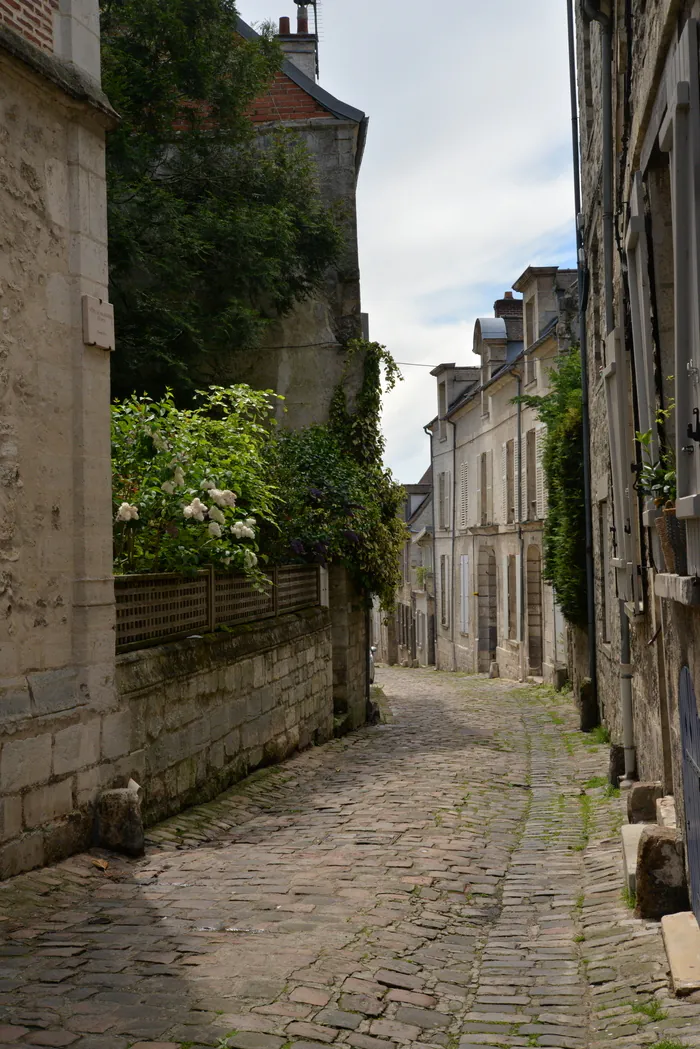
column 350, row 622
column 204, row 713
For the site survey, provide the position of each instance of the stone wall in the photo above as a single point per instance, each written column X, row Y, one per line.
column 350, row 621
column 205, row 713
column 192, row 717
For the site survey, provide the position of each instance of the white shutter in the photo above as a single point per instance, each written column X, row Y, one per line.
column 449, row 492
column 489, row 486
column 523, row 478
column 616, row 375
column 441, row 501
column 640, row 307
column 504, row 590
column 504, row 484
column 519, row 596
column 680, row 136
column 479, row 494
column 540, row 487
column 464, row 594
column 463, row 496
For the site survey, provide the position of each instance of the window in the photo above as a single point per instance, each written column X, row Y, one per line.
column 464, row 594
column 587, row 79
column 531, row 459
column 420, row 630
column 512, row 597
column 463, row 496
column 604, row 561
column 530, row 333
column 442, row 410
column 444, row 590
column 596, row 300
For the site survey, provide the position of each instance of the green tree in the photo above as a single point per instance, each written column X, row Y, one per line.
column 211, row 234
column 565, row 527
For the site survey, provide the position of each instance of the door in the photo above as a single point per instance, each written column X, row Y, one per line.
column 690, row 745
column 487, row 605
column 534, row 610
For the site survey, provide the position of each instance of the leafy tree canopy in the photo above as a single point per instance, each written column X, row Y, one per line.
column 210, row 233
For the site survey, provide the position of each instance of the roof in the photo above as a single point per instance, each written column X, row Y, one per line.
column 493, row 329
column 427, row 477
column 338, row 109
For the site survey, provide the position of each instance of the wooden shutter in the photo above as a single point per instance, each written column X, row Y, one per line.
column 504, row 483
column 680, row 136
column 479, row 494
column 505, row 596
column 464, row 594
column 463, row 496
column 489, row 486
column 449, row 523
column 541, row 491
column 441, row 501
column 637, row 249
column 617, row 393
column 523, row 478
column 519, row 597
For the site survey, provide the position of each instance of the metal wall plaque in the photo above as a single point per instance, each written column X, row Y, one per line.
column 98, row 323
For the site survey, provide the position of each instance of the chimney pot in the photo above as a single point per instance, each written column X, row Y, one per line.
column 508, row 295
column 303, row 20
column 285, row 27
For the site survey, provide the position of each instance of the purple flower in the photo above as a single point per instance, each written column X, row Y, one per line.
column 298, row 547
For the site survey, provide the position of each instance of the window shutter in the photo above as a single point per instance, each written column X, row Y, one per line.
column 637, row 249
column 522, row 460
column 441, row 501
column 616, row 376
column 506, row 596
column 680, row 136
column 464, row 593
column 479, row 494
column 504, row 485
column 463, row 496
column 519, row 597
column 541, row 490
column 449, row 524
column 489, row 484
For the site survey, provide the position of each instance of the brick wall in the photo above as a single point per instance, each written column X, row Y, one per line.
column 285, row 101
column 32, row 18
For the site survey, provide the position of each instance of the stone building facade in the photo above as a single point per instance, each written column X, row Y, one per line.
column 58, row 702
column 639, row 107
column 415, row 612
column 494, row 611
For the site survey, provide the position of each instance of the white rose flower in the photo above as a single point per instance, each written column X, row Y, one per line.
column 168, row 487
column 216, row 515
column 214, row 530
column 127, row 512
column 249, row 559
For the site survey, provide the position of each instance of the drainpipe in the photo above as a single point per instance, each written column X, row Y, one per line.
column 591, row 10
column 586, row 421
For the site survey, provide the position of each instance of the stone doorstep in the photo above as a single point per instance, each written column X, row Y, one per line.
column 681, row 934
column 631, row 833
column 666, row 812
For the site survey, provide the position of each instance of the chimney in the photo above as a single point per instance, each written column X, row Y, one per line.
column 300, row 48
column 508, row 306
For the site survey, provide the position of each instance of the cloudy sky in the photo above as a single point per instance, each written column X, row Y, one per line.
column 467, row 175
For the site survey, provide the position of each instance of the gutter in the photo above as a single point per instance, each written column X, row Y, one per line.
column 452, row 556
column 524, row 657
column 427, row 429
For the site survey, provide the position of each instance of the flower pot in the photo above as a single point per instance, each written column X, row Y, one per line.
column 673, row 541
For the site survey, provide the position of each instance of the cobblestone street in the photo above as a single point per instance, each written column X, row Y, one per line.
column 450, row 878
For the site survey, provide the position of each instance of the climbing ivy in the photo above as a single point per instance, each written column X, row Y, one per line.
column 565, row 527
column 340, row 503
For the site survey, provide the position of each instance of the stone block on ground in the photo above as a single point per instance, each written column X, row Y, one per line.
column 666, row 812
column 631, row 833
column 641, row 802
column 682, row 941
column 661, row 885
column 118, row 822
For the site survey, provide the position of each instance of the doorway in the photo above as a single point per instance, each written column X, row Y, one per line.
column 534, row 610
column 488, row 603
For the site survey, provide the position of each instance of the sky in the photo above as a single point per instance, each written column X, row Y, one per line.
column 466, row 178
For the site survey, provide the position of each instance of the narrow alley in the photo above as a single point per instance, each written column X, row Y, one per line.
column 448, row 878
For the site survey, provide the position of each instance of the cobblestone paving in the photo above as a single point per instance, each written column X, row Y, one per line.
column 450, row 878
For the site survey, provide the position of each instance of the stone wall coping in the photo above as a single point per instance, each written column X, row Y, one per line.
column 685, row 589
column 68, row 77
column 140, row 670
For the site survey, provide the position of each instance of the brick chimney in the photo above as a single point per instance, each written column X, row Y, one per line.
column 301, row 47
column 508, row 306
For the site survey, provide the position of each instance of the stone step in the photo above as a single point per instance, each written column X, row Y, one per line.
column 631, row 833
column 666, row 811
column 681, row 934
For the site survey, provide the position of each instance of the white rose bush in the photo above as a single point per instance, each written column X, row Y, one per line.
column 190, row 485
